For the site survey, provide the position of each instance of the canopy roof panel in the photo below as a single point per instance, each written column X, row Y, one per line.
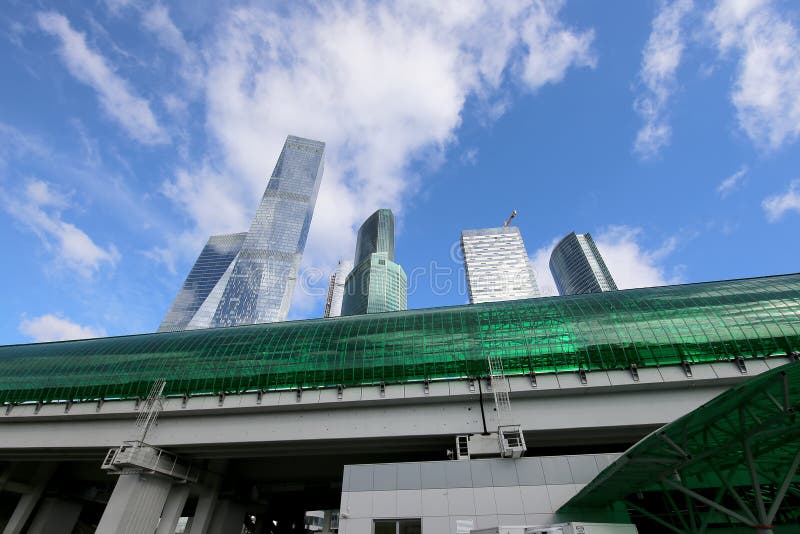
column 613, row 330
column 707, row 448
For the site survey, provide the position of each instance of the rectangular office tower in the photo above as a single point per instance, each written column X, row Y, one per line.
column 497, row 265
column 333, row 304
column 578, row 267
column 256, row 285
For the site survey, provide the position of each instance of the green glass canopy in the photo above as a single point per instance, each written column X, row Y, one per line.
column 736, row 457
column 695, row 323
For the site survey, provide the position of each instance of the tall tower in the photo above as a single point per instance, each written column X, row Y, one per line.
column 211, row 265
column 256, row 285
column 578, row 267
column 376, row 283
column 333, row 304
column 497, row 265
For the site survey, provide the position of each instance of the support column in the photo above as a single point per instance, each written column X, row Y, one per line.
column 56, row 516
column 173, row 508
column 228, row 518
column 30, row 498
column 202, row 514
column 208, row 498
column 135, row 505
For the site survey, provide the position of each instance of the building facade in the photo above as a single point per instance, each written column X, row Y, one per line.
column 376, row 283
column 578, row 267
column 257, row 285
column 333, row 304
column 211, row 265
column 497, row 265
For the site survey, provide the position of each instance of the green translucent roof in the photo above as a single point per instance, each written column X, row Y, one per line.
column 705, row 448
column 653, row 326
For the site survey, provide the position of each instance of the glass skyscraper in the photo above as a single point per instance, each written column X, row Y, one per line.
column 333, row 304
column 214, row 260
column 578, row 267
column 256, row 286
column 497, row 265
column 377, row 283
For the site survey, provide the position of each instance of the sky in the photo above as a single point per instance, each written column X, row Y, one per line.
column 131, row 130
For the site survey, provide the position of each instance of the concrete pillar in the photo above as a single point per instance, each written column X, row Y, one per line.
column 202, row 514
column 172, row 509
column 135, row 505
column 228, row 518
column 208, row 498
column 30, row 498
column 56, row 516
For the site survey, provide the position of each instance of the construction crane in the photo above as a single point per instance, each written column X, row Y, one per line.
column 510, row 218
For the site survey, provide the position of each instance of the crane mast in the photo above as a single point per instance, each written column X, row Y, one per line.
column 510, row 218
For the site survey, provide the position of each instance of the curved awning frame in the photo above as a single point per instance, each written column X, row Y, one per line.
column 735, row 457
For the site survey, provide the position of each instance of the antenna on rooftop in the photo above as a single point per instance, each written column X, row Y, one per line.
column 510, row 218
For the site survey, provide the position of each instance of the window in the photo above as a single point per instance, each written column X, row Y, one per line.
column 397, row 526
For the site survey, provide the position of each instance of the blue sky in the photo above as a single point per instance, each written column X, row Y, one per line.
column 131, row 130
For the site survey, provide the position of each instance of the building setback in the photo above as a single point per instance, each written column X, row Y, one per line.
column 497, row 265
column 333, row 304
column 578, row 267
column 257, row 284
column 376, row 284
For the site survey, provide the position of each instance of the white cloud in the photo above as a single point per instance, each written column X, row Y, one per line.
column 552, row 47
column 157, row 20
column 384, row 84
column 660, row 60
column 51, row 327
column 117, row 98
column 776, row 205
column 39, row 209
column 631, row 265
column 732, row 182
column 541, row 268
column 766, row 93
column 469, row 156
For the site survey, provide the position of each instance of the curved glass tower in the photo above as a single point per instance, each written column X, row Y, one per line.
column 578, row 267
column 377, row 283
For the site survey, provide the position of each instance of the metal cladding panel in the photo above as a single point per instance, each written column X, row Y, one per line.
column 706, row 322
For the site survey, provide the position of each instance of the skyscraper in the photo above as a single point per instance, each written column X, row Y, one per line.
column 497, row 265
column 256, row 286
column 578, row 267
column 214, row 260
column 377, row 283
column 333, row 304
